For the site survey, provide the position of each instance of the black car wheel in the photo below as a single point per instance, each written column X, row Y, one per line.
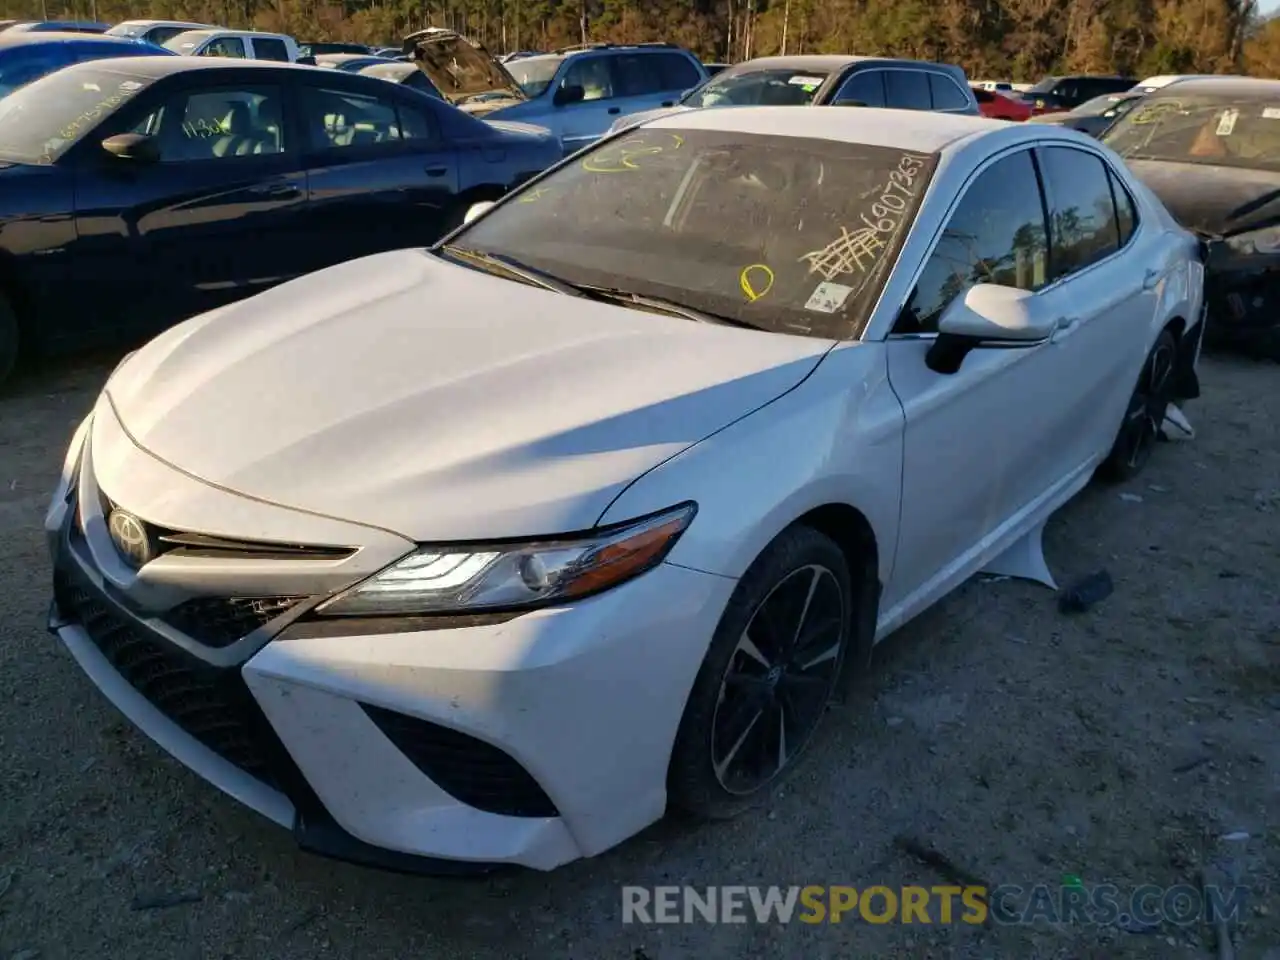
column 1147, row 407
column 768, row 676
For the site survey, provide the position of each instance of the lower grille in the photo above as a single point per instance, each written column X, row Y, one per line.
column 213, row 705
column 221, row 621
column 470, row 770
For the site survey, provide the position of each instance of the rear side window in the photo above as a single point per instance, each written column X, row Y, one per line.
column 982, row 95
column 1126, row 213
column 636, row 75
column 946, row 95
column 677, row 71
column 1082, row 215
column 865, row 87
column 269, row 48
column 907, row 90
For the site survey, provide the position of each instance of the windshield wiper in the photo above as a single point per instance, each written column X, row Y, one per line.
column 663, row 305
column 514, row 268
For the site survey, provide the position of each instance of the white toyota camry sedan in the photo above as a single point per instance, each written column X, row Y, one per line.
column 494, row 552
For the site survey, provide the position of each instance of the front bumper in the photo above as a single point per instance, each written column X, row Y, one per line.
column 441, row 747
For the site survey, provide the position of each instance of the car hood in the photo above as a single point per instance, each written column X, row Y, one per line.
column 461, row 70
column 1213, row 201
column 440, row 403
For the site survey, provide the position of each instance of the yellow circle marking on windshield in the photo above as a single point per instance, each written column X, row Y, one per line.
column 628, row 150
column 758, row 271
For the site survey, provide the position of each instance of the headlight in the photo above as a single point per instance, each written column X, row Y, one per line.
column 1262, row 242
column 505, row 576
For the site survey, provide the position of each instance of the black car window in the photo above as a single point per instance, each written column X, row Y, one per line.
column 1082, row 215
column 1126, row 212
column 995, row 235
column 418, row 126
column 158, row 35
column 865, row 87
column 982, row 96
column 678, row 71
column 637, row 75
column 218, row 124
column 946, row 95
column 225, row 47
column 340, row 120
column 270, row 48
column 593, row 75
column 907, row 90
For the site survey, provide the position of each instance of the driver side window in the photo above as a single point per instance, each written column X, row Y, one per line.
column 995, row 235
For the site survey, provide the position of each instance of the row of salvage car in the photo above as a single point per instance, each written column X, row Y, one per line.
column 492, row 552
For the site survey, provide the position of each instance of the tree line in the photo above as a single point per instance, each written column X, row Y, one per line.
column 1019, row 40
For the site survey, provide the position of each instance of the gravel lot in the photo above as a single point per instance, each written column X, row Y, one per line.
column 1024, row 745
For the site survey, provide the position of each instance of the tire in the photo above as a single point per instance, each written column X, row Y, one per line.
column 9, row 340
column 708, row 777
column 1140, row 430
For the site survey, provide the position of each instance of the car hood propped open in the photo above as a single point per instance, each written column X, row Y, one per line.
column 465, row 73
column 441, row 403
column 1213, row 201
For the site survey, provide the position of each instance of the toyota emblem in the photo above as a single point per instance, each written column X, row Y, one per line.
column 130, row 536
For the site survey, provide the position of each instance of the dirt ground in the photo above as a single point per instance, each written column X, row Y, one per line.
column 1023, row 745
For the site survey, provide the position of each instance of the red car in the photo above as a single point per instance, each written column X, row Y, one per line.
column 1000, row 107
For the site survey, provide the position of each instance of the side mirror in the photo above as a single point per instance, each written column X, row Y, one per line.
column 133, row 146
column 988, row 315
column 567, row 95
column 477, row 210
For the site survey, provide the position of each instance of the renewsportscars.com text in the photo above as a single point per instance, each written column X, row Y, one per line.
column 1007, row 904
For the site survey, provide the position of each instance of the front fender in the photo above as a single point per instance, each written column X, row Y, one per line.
column 835, row 438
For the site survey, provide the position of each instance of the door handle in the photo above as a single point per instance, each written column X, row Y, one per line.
column 1066, row 327
column 615, row 110
column 436, row 171
column 1151, row 278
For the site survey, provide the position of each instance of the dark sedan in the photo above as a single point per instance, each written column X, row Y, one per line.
column 1210, row 150
column 1093, row 116
column 25, row 57
column 139, row 191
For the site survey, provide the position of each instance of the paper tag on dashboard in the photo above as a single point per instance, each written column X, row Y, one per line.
column 1228, row 122
column 1271, row 113
column 828, row 297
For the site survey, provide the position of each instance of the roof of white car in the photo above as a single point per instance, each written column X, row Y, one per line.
column 919, row 130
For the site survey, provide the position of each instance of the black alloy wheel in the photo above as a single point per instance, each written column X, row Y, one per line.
column 1140, row 430
column 768, row 677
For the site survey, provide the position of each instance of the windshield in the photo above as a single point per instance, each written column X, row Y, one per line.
column 1207, row 129
column 534, row 75
column 1044, row 86
column 778, row 88
column 127, row 30
column 43, row 120
column 787, row 234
